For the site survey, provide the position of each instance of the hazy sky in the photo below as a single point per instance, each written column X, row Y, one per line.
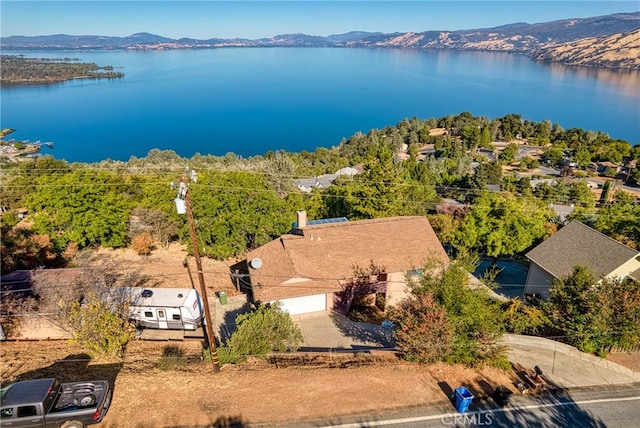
column 256, row 19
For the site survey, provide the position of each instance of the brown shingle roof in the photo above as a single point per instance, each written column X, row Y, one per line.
column 578, row 244
column 319, row 256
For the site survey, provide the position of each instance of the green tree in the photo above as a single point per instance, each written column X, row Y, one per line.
column 485, row 137
column 581, row 195
column 511, row 127
column 84, row 206
column 621, row 219
column 486, row 173
column 595, row 314
column 97, row 329
column 509, row 153
column 235, row 211
column 542, row 133
column 503, row 224
column 553, row 155
column 606, row 190
column 20, row 178
column 614, row 151
column 470, row 136
column 265, row 330
column 473, row 319
column 521, row 318
column 582, row 157
column 384, row 189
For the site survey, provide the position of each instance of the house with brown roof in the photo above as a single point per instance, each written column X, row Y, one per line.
column 322, row 265
column 578, row 244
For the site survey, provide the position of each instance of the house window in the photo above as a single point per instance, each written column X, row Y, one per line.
column 176, row 317
column 415, row 273
column 148, row 314
column 26, row 411
column 6, row 413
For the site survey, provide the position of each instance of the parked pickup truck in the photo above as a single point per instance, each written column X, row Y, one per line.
column 47, row 403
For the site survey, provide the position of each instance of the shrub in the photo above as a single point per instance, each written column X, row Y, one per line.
column 520, row 318
column 423, row 331
column 98, row 330
column 142, row 244
column 463, row 324
column 260, row 332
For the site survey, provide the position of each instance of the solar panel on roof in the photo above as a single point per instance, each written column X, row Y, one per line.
column 327, row 221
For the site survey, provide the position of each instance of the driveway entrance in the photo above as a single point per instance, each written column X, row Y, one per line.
column 330, row 331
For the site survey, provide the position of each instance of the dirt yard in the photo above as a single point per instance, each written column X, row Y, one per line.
column 152, row 391
column 627, row 359
column 257, row 392
column 147, row 393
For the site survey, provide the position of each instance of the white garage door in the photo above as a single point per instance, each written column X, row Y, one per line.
column 305, row 304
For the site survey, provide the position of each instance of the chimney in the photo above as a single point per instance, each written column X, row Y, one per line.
column 302, row 218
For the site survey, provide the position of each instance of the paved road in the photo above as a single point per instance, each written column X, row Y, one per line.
column 609, row 407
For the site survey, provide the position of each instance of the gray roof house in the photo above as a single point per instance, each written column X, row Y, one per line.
column 325, row 180
column 320, row 182
column 578, row 244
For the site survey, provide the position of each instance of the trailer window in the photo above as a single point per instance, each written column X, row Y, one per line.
column 26, row 411
column 148, row 314
column 6, row 413
column 176, row 317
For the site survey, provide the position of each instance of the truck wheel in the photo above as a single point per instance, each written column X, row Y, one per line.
column 85, row 401
column 72, row 424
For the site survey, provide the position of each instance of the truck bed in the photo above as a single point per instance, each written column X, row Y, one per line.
column 76, row 395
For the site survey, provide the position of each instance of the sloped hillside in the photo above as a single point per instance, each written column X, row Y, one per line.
column 615, row 51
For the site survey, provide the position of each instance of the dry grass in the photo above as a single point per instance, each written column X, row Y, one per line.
column 257, row 391
column 148, row 393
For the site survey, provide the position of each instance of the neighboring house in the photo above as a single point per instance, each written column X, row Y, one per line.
column 604, row 167
column 562, row 211
column 539, row 181
column 578, row 244
column 313, row 268
column 325, row 180
column 321, row 182
column 452, row 207
column 426, row 150
column 486, row 153
column 348, row 170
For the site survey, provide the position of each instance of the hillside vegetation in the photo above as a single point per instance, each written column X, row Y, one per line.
column 591, row 33
column 240, row 204
column 18, row 70
column 615, row 51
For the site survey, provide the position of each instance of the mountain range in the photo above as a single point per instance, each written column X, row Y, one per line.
column 610, row 41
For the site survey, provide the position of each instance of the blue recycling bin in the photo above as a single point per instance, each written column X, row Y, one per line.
column 463, row 399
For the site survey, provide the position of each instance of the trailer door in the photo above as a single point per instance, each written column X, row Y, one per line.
column 162, row 318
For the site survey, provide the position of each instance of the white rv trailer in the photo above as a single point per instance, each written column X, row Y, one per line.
column 163, row 308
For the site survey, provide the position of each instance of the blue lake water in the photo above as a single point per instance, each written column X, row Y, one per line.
column 252, row 100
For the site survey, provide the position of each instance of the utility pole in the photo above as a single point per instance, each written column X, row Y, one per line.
column 183, row 195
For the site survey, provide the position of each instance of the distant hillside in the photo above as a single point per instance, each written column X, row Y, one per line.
column 595, row 41
column 615, row 51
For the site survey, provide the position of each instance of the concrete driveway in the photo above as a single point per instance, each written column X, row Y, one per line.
column 563, row 366
column 328, row 331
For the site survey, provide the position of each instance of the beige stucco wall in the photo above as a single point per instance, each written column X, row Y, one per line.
column 625, row 269
column 397, row 288
column 330, row 301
